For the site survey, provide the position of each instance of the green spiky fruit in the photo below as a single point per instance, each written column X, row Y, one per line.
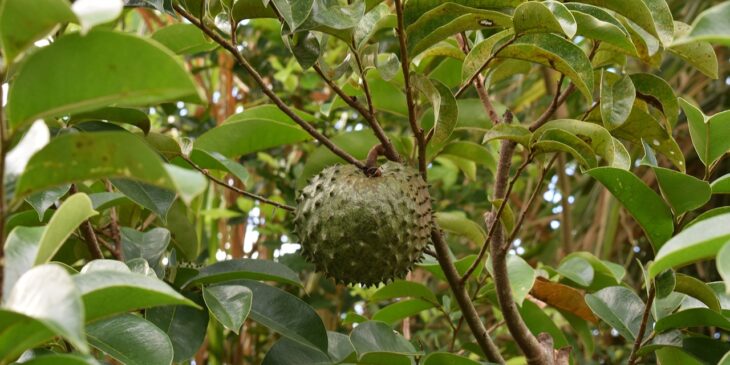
column 360, row 229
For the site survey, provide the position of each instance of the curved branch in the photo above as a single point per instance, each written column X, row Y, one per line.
column 231, row 48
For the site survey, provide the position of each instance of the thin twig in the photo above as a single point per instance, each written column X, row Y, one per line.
column 642, row 328
column 114, row 223
column 530, row 201
column 479, row 83
column 266, row 89
column 87, row 230
column 236, row 189
column 410, row 101
column 558, row 99
column 369, row 115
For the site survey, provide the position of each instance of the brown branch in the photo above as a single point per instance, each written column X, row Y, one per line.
column 558, row 99
column 265, row 88
column 479, row 83
column 462, row 298
column 530, row 201
column 642, row 328
column 87, row 230
column 405, row 66
column 371, row 164
column 369, row 115
column 495, row 221
column 236, row 189
column 114, row 224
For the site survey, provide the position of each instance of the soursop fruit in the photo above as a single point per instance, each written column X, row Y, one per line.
column 360, row 229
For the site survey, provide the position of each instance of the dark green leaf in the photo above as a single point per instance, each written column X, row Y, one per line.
column 721, row 185
column 230, row 304
column 577, row 269
column 185, row 326
column 402, row 309
column 129, row 116
column 45, row 199
column 157, row 200
column 245, row 269
column 374, row 336
column 656, row 92
column 403, row 288
column 697, row 289
column 620, row 308
column 683, row 192
column 132, row 340
column 544, row 17
column 646, row 206
column 61, row 359
column 148, row 245
column 643, row 13
column 538, row 322
column 695, row 317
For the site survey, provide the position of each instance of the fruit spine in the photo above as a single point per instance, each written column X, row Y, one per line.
column 360, row 229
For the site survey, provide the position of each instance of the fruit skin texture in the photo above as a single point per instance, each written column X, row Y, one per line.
column 367, row 230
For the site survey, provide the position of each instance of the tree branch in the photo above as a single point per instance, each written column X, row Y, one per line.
column 405, row 66
column 87, row 230
column 642, row 328
column 265, row 89
column 469, row 82
column 479, row 83
column 462, row 298
column 114, row 224
column 236, row 189
column 369, row 115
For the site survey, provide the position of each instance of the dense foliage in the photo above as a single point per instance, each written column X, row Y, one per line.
column 153, row 152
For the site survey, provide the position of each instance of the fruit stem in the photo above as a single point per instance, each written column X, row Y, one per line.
column 371, row 164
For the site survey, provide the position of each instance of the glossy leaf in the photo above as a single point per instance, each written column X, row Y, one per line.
column 185, row 326
column 721, row 185
column 511, row 132
column 374, row 337
column 445, row 110
column 710, row 136
column 183, row 39
column 74, row 211
column 459, row 224
column 107, row 292
column 67, row 71
column 657, row 93
column 229, row 304
column 558, row 140
column 245, row 269
column 286, row 314
column 150, row 245
column 652, row 16
column 544, row 17
column 697, row 289
column 596, row 23
column 404, row 288
column 22, row 23
column 157, row 200
column 481, row 52
column 129, row 116
column 246, row 136
column 538, row 322
column 402, row 309
column 617, row 99
column 21, row 250
column 577, row 269
column 182, row 231
column 601, row 141
column 286, row 351
column 643, row 204
column 700, row 241
column 711, row 25
column 216, row 161
column 620, row 308
column 683, row 192
column 47, row 293
column 697, row 53
column 521, row 276
column 131, row 340
column 43, row 200
column 695, row 317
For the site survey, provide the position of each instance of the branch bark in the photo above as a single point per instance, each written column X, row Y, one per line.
column 642, row 329
column 87, row 230
column 266, row 90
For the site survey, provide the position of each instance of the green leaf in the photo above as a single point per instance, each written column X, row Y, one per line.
column 557, row 53
column 286, row 351
column 189, row 183
column 711, row 25
column 45, row 199
column 723, row 264
column 521, row 276
column 655, row 91
column 445, row 110
column 403, row 288
column 23, row 22
column 577, row 269
column 245, row 269
column 286, row 314
column 380, row 17
column 601, row 141
column 216, row 161
column 131, row 340
column 512, row 132
column 650, row 15
column 107, row 293
column 150, row 245
column 646, row 206
column 481, row 52
column 544, row 17
column 694, row 317
column 448, row 19
column 721, row 185
column 236, row 138
column 414, row 9
column 445, row 358
column 77, row 157
column 538, row 322
column 397, row 311
column 643, row 126
column 157, row 200
column 683, row 192
column 61, row 359
column 470, row 151
column 701, row 240
column 620, row 308
column 674, row 356
column 67, row 72
column 182, row 231
column 184, row 39
column 462, row 264
column 374, row 336
column 185, row 326
column 129, row 116
column 230, row 304
column 595, row 23
column 697, row 289
column 457, row 222
column 294, row 12
column 74, row 211
column 20, row 332
column 710, row 136
column 605, row 273
column 697, row 53
column 617, row 99
column 21, row 250
column 558, row 140
column 47, row 293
